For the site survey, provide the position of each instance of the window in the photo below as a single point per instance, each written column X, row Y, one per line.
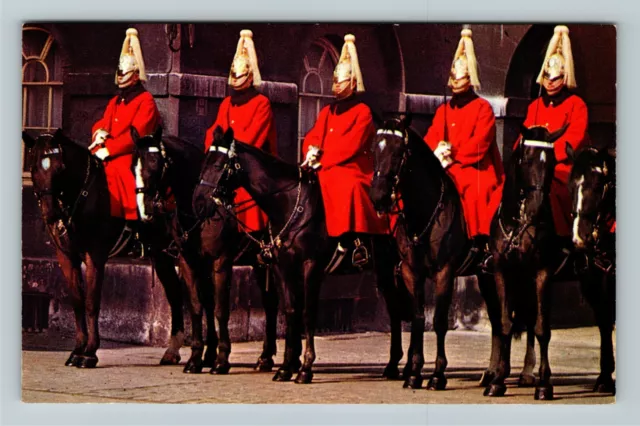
column 41, row 85
column 316, row 82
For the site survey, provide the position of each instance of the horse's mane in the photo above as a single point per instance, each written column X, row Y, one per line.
column 190, row 152
column 277, row 168
column 419, row 147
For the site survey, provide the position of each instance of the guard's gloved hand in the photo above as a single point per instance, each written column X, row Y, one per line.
column 99, row 138
column 312, row 160
column 102, row 153
column 443, row 153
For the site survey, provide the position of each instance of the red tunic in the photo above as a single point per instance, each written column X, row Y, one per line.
column 568, row 108
column 134, row 107
column 249, row 115
column 477, row 168
column 344, row 131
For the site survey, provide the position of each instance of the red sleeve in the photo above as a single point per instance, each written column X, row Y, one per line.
column 314, row 137
column 576, row 132
column 220, row 121
column 435, row 134
column 145, row 122
column 105, row 121
column 357, row 143
column 258, row 132
column 528, row 120
column 473, row 150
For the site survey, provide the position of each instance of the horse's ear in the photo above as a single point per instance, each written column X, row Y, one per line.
column 524, row 131
column 406, row 121
column 28, row 140
column 228, row 135
column 218, row 133
column 571, row 154
column 134, row 134
column 556, row 135
column 58, row 133
column 158, row 133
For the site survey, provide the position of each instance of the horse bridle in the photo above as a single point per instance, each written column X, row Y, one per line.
column 158, row 198
column 417, row 238
column 523, row 224
column 223, row 197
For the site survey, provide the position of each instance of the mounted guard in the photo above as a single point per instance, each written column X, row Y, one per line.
column 555, row 108
column 249, row 114
column 338, row 148
column 463, row 138
column 111, row 141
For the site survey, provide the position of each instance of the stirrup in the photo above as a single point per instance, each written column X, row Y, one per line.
column 123, row 241
column 360, row 255
column 338, row 256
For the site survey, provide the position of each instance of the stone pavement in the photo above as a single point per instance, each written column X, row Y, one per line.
column 347, row 370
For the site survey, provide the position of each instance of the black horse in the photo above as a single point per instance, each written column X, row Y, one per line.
column 297, row 247
column 525, row 253
column 71, row 188
column 205, row 248
column 592, row 185
column 430, row 234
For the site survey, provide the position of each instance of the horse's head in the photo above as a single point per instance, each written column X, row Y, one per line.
column 47, row 171
column 592, row 188
column 536, row 162
column 148, row 166
column 390, row 154
column 218, row 178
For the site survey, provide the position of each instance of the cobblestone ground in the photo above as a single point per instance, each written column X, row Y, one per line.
column 347, row 370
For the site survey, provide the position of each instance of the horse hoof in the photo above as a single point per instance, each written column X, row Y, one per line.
column 264, row 365
column 193, row 367
column 544, row 393
column 526, row 381
column 221, row 369
column 437, row 383
column 605, row 385
column 282, row 375
column 72, row 361
column 170, row 359
column 487, row 378
column 495, row 390
column 87, row 362
column 413, row 382
column 304, row 377
column 391, row 372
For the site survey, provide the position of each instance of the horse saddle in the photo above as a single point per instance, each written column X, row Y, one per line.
column 350, row 257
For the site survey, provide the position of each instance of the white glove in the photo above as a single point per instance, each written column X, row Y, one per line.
column 102, row 153
column 443, row 153
column 99, row 138
column 312, row 159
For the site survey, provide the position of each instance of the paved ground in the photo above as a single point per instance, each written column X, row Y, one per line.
column 347, row 370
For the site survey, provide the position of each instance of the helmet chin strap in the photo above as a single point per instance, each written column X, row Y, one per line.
column 131, row 79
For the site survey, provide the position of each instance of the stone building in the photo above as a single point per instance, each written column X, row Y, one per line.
column 68, row 73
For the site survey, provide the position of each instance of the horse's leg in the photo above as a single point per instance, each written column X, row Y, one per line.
column 597, row 290
column 544, row 389
column 415, row 284
column 293, row 345
column 270, row 303
column 222, row 280
column 206, row 279
column 164, row 266
column 95, row 275
column 488, row 290
column 385, row 260
column 443, row 295
column 73, row 274
column 503, row 368
column 312, row 275
column 527, row 379
column 194, row 364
